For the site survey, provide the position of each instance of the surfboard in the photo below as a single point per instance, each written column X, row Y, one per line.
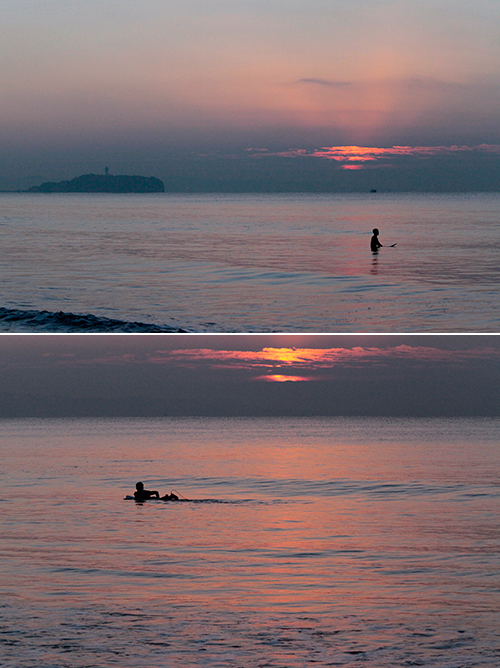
column 132, row 498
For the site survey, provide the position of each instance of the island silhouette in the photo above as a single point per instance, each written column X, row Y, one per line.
column 102, row 183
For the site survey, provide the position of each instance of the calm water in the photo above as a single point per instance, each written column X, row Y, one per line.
column 326, row 542
column 232, row 263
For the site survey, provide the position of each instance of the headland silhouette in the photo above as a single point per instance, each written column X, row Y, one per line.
column 102, row 183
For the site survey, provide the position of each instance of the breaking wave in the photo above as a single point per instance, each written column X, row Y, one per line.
column 61, row 322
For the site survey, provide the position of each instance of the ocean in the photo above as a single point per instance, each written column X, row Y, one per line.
column 312, row 541
column 249, row 263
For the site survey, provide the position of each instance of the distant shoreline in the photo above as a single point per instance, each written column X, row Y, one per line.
column 34, row 191
column 102, row 183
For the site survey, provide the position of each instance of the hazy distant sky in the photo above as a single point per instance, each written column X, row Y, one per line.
column 231, row 375
column 136, row 85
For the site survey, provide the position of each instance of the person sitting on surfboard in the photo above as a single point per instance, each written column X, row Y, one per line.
column 142, row 494
column 374, row 242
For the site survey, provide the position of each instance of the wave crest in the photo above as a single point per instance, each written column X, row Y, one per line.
column 59, row 322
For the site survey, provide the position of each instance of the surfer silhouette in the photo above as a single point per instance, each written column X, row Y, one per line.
column 374, row 242
column 142, row 494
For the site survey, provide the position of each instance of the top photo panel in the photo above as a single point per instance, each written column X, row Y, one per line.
column 246, row 166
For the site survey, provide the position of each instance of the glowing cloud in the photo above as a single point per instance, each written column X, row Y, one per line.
column 367, row 153
column 319, row 358
column 355, row 157
column 274, row 363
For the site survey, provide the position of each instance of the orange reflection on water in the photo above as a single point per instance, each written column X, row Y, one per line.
column 350, row 516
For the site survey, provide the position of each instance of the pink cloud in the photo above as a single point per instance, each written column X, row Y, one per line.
column 355, row 157
column 367, row 153
column 292, row 363
column 318, row 358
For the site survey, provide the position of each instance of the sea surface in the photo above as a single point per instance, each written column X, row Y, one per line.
column 249, row 263
column 312, row 542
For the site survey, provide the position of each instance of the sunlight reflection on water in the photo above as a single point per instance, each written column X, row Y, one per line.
column 351, row 540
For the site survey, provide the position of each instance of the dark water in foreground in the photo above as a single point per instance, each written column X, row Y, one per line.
column 334, row 542
column 249, row 263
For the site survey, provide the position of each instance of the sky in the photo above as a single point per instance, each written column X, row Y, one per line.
column 249, row 375
column 181, row 90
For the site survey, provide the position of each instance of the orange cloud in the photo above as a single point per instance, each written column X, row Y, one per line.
column 369, row 153
column 359, row 155
column 318, row 358
column 267, row 357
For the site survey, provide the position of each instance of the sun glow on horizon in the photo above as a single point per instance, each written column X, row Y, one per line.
column 280, row 378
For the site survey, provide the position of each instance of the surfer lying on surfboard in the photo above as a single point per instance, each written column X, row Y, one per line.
column 375, row 243
column 142, row 494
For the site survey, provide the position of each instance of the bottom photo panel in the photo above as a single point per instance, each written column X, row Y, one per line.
column 244, row 501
